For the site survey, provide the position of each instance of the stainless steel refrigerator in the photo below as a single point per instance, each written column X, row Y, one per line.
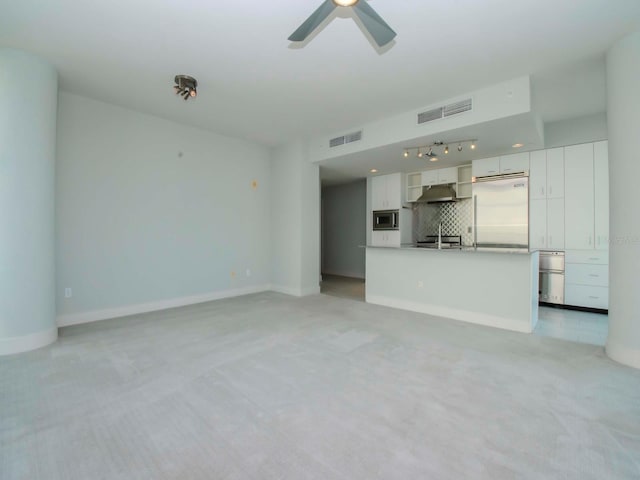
column 501, row 211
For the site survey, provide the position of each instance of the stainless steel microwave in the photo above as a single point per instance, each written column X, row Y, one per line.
column 385, row 220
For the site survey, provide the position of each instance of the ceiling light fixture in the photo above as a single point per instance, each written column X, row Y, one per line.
column 518, row 145
column 374, row 170
column 186, row 86
column 345, row 3
column 428, row 150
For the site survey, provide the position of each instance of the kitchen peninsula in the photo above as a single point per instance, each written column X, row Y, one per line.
column 493, row 287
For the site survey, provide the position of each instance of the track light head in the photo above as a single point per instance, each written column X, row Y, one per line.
column 186, row 86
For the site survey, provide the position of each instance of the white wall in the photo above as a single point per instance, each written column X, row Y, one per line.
column 344, row 229
column 295, row 219
column 623, row 100
column 28, row 99
column 590, row 128
column 151, row 212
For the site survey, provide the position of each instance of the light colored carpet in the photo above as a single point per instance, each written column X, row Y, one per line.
column 275, row 387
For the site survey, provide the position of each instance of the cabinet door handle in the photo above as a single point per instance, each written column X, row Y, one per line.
column 542, row 240
column 589, row 239
column 550, row 190
column 542, row 190
column 593, row 275
column 550, row 240
column 595, row 298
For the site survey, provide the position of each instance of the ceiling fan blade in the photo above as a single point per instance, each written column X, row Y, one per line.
column 377, row 27
column 311, row 23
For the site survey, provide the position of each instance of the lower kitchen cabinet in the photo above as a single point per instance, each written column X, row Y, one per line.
column 587, row 279
column 385, row 238
column 586, row 296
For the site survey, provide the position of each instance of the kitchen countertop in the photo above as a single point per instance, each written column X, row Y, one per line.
column 410, row 246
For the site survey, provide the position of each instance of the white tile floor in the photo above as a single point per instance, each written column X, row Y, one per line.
column 572, row 325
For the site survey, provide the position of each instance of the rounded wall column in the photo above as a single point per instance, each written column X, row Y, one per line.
column 28, row 107
column 623, row 118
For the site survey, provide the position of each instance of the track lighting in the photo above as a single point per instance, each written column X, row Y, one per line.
column 428, row 150
column 186, row 86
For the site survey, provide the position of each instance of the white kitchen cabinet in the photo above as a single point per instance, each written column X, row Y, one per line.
column 538, row 224
column 601, row 194
column 485, row 167
column 587, row 278
column 555, row 173
column 429, row 177
column 586, row 296
column 514, row 163
column 546, row 173
column 447, row 175
column 579, row 196
column 546, row 224
column 385, row 238
column 538, row 175
column 386, row 192
column 555, row 224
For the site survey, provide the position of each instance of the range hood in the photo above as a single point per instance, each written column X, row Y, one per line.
column 438, row 194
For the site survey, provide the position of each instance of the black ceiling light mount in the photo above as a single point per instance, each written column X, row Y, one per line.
column 186, row 86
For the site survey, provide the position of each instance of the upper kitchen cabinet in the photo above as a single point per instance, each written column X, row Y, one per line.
column 515, row 163
column 601, row 194
column 429, row 177
column 448, row 175
column 546, row 174
column 579, row 196
column 485, row 167
column 386, row 192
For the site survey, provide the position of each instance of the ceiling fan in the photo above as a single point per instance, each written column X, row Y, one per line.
column 375, row 25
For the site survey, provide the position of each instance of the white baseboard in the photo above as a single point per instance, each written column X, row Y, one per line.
column 357, row 275
column 625, row 355
column 296, row 291
column 456, row 314
column 96, row 315
column 26, row 343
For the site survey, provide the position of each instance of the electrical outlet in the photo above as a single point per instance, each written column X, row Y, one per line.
column 248, row 272
column 68, row 293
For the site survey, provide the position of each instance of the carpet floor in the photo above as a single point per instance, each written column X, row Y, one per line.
column 269, row 386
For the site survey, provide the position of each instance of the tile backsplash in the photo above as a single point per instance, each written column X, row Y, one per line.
column 456, row 218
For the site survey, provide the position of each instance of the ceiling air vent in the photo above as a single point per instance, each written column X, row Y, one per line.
column 458, row 107
column 348, row 138
column 430, row 116
column 446, row 111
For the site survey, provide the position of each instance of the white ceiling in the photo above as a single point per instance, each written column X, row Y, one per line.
column 254, row 84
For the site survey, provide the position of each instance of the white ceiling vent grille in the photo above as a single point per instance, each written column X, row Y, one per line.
column 446, row 111
column 348, row 138
column 430, row 116
column 458, row 107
